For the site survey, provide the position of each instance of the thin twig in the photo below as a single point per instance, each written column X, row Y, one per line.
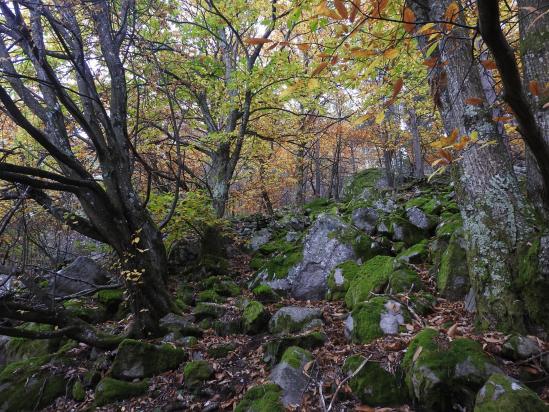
column 352, row 375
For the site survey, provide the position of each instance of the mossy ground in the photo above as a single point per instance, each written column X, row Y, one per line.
column 110, row 390
column 262, row 398
column 196, row 373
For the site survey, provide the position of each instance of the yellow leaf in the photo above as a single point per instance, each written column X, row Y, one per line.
column 426, row 28
column 312, row 84
column 323, row 10
column 380, row 117
column 474, row 136
column 358, row 53
column 390, row 53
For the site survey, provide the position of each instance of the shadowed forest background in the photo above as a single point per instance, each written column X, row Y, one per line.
column 267, row 205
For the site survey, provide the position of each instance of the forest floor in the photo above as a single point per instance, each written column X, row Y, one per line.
column 244, row 367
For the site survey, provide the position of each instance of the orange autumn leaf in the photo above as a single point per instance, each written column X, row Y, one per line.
column 358, row 53
column 489, row 64
column 409, row 20
column 397, row 87
column 378, row 7
column 303, row 46
column 355, row 7
column 430, row 62
column 474, row 101
column 341, row 9
column 319, row 68
column 390, row 53
column 533, row 86
column 451, row 15
column 256, row 40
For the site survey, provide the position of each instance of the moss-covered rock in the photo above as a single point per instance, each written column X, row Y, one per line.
column 262, row 398
column 204, row 310
column 518, row 347
column 275, row 348
column 440, row 375
column 78, row 391
column 265, row 294
column 209, row 295
column 318, row 206
column 110, row 390
column 222, row 285
column 255, row 317
column 196, row 373
column 415, row 254
column 289, row 375
column 340, row 278
column 179, row 325
column 275, row 258
column 375, row 318
column 32, row 383
column 110, row 298
column 502, row 393
column 453, row 273
column 136, row 359
column 362, row 184
column 291, row 319
column 373, row 385
column 379, row 274
column 404, row 231
column 21, row 348
column 422, row 303
column 85, row 310
column 221, row 350
column 448, row 225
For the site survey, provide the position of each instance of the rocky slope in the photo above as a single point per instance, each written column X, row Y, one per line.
column 352, row 305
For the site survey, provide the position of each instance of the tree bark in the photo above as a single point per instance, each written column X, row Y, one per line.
column 416, row 145
column 496, row 215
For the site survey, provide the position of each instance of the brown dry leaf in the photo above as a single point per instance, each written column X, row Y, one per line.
column 341, row 9
column 303, row 46
column 256, row 40
column 533, row 86
column 354, row 10
column 319, row 68
column 364, row 408
column 397, row 87
column 474, row 101
column 390, row 53
column 409, row 19
column 452, row 331
column 489, row 64
column 430, row 62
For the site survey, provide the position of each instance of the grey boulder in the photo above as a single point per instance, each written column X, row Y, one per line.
column 82, row 274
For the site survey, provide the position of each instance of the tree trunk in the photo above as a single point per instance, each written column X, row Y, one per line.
column 416, row 145
column 301, row 180
column 218, row 178
column 534, row 48
column 494, row 212
column 318, row 171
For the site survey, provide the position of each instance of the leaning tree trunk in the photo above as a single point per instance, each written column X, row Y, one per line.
column 496, row 215
column 534, row 48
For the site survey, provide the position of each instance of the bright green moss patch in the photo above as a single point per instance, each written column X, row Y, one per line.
column 318, row 206
column 346, row 273
column 222, row 285
column 365, row 179
column 373, row 385
column 196, row 373
column 502, row 393
column 415, row 254
column 78, row 392
column 296, row 356
column 265, row 294
column 209, row 295
column 111, row 390
column 263, row 398
column 255, row 317
column 110, row 297
column 277, row 257
column 275, row 348
column 366, row 319
column 450, row 223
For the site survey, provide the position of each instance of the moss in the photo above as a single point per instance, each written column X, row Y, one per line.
column 84, row 310
column 221, row 350
column 136, row 359
column 110, row 296
column 277, row 257
column 453, row 273
column 255, row 317
column 318, row 206
column 366, row 317
column 196, row 373
column 378, row 274
column 209, row 295
column 222, row 285
column 185, row 294
column 265, row 294
column 78, row 392
column 350, row 271
column 32, row 383
column 415, row 254
column 449, row 225
column 110, row 390
column 373, row 385
column 365, row 179
column 444, row 373
column 422, row 303
column 416, row 202
column 207, row 310
column 296, row 356
column 432, row 207
column 501, row 393
column 262, row 398
column 275, row 348
column 404, row 231
column 22, row 348
column 532, row 285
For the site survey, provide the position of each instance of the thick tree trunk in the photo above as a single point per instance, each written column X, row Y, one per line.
column 495, row 213
column 219, row 179
column 534, row 48
column 300, row 176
